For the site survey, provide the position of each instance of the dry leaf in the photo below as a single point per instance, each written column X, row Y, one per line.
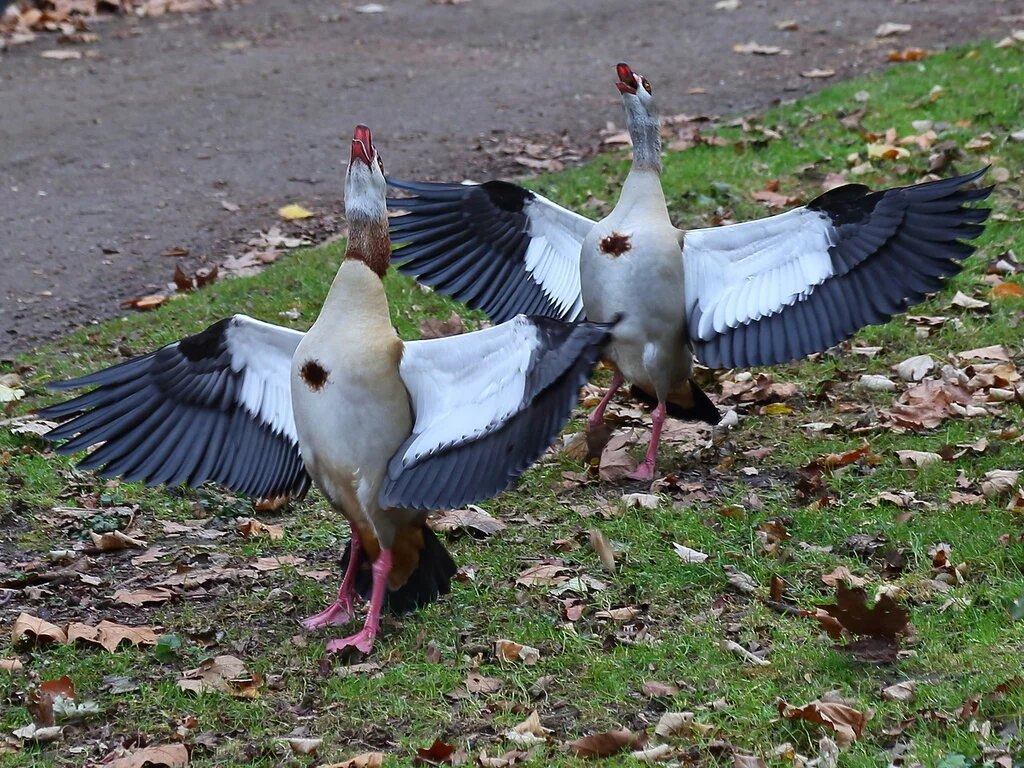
column 654, row 688
column 915, row 368
column 115, row 540
column 61, row 54
column 11, row 665
column 605, row 744
column 293, row 211
column 250, row 526
column 472, row 519
column 641, row 500
column 675, row 724
column 994, row 352
column 435, row 328
column 145, row 303
column 508, row 650
column 908, row 54
column 842, row 573
column 143, row 596
column 999, row 481
column 618, row 614
column 688, row 555
column 305, row 746
column 918, row 458
column 109, row 635
column 818, row 73
column 1008, row 291
column 904, row 691
column 163, row 756
column 603, row 548
column 890, row 29
column 223, row 673
column 877, row 383
column 477, row 683
column 743, row 653
column 364, row 760
column 885, row 619
column 847, row 722
column 543, row 575
column 758, row 49
column 26, row 624
column 439, row 753
column 529, row 732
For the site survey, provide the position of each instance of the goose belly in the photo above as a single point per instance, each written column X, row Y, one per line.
column 351, row 414
column 645, row 286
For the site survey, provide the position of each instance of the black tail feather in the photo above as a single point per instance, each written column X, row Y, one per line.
column 702, row 410
column 431, row 579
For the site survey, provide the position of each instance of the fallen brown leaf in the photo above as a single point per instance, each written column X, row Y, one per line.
column 472, row 519
column 109, row 635
column 165, row 756
column 508, row 650
column 26, row 624
column 364, row 760
column 885, row 619
column 606, row 744
column 847, row 723
column 250, row 526
column 115, row 540
column 439, row 753
column 604, row 550
column 435, row 328
column 477, row 683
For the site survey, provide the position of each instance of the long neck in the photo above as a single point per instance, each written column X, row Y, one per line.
column 369, row 243
column 645, row 131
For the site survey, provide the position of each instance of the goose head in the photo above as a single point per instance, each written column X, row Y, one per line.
column 366, row 204
column 641, row 118
column 636, row 93
column 365, row 187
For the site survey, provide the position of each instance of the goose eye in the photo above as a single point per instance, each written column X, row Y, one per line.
column 647, row 86
column 380, row 164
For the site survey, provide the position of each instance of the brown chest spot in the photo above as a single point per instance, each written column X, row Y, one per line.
column 314, row 374
column 615, row 244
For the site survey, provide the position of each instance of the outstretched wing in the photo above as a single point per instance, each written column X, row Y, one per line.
column 496, row 247
column 214, row 406
column 783, row 287
column 487, row 405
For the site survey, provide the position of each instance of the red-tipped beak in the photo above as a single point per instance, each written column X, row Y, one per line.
column 362, row 145
column 627, row 80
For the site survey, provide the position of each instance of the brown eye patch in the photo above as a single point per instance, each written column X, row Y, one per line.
column 646, row 84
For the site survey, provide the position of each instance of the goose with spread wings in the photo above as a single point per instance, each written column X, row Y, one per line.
column 757, row 293
column 386, row 429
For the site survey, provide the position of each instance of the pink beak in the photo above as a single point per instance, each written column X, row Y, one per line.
column 362, row 145
column 627, row 80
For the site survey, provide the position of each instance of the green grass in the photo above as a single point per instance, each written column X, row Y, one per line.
column 964, row 642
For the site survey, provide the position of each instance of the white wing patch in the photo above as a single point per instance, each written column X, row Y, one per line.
column 462, row 387
column 743, row 272
column 263, row 354
column 553, row 255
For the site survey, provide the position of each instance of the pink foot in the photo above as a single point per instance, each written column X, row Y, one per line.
column 646, row 469
column 361, row 640
column 339, row 612
column 596, row 417
column 644, row 472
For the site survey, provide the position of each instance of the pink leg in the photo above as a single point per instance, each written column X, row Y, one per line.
column 596, row 418
column 341, row 610
column 363, row 639
column 646, row 469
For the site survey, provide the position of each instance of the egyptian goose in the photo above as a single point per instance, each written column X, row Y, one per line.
column 384, row 428
column 757, row 293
